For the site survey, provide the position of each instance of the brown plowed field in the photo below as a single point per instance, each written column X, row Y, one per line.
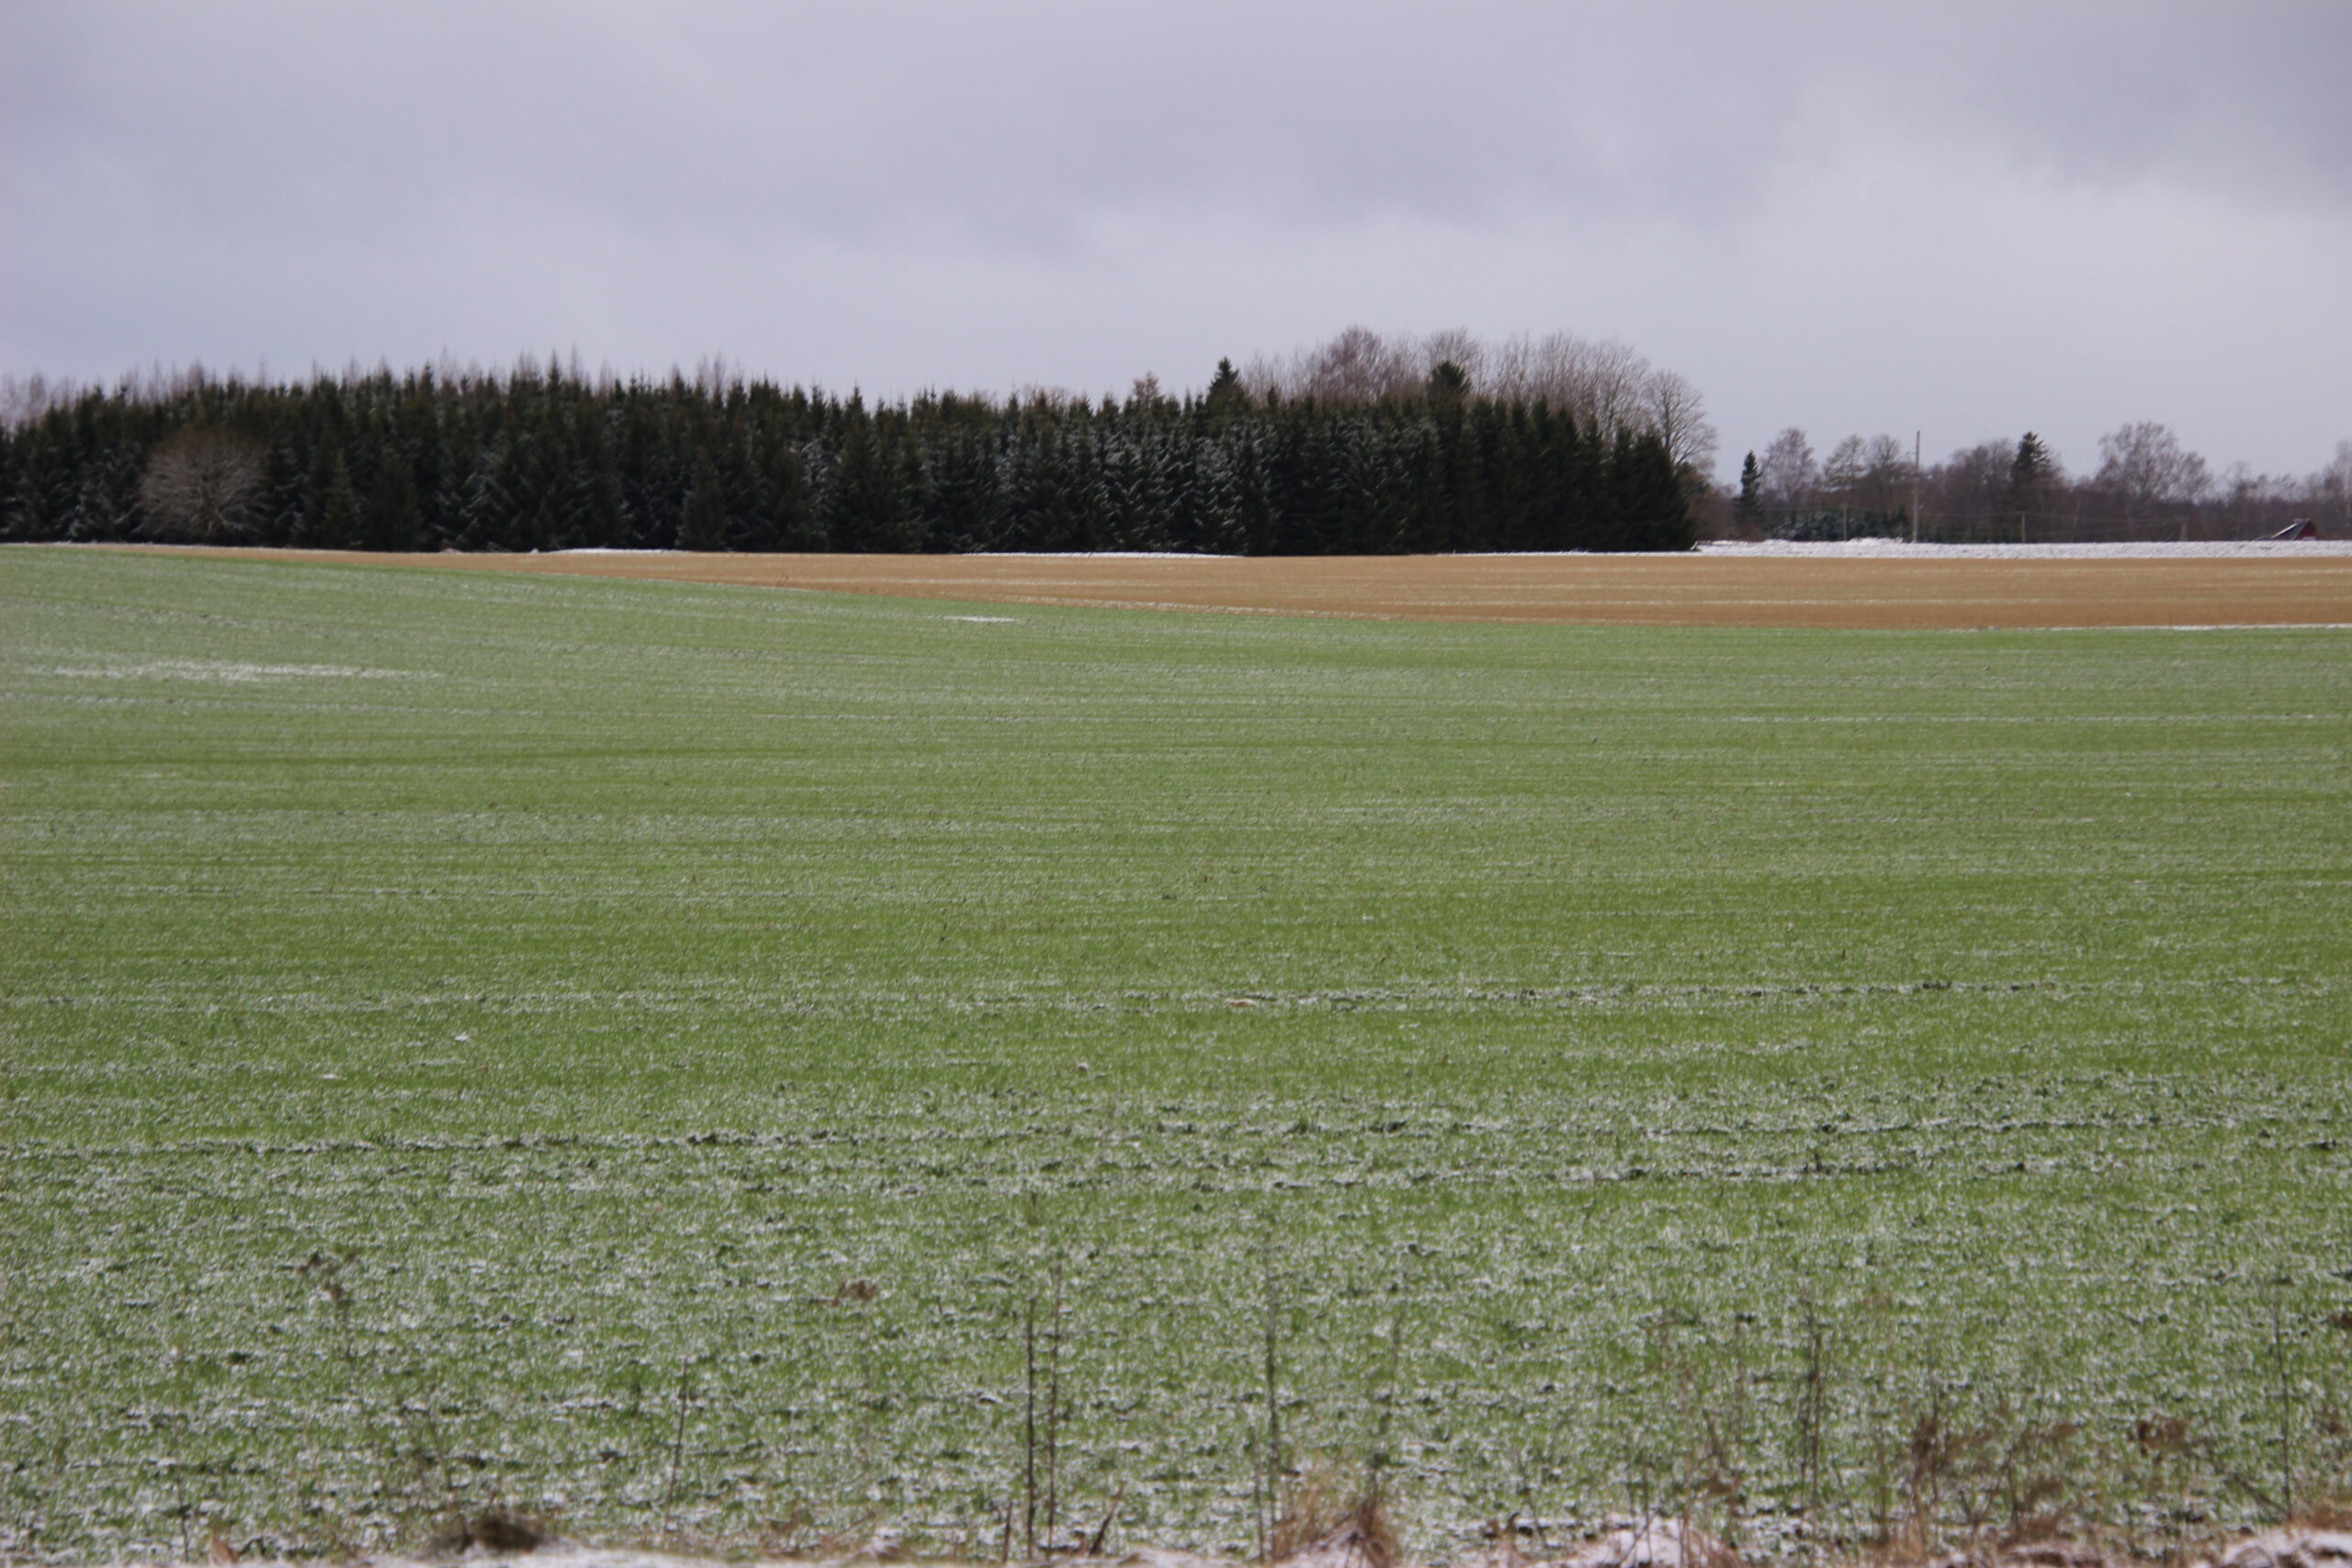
column 2283, row 589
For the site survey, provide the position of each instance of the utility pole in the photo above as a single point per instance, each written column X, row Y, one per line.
column 1915, row 485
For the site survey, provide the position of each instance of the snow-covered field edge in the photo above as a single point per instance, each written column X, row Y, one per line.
column 1900, row 549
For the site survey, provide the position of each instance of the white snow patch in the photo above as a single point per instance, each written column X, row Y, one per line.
column 1649, row 1543
column 222, row 670
column 1903, row 549
column 2292, row 1548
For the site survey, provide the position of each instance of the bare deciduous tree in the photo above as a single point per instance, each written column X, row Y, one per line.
column 1845, row 471
column 202, row 485
column 23, row 401
column 1601, row 382
column 2146, row 465
column 1358, row 366
column 1609, row 387
column 1863, row 477
column 2330, row 491
column 1145, row 395
column 1973, row 488
column 1888, row 475
column 1459, row 346
column 1791, row 478
column 2248, row 497
column 1674, row 409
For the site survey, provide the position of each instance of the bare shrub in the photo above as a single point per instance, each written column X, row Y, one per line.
column 203, row 486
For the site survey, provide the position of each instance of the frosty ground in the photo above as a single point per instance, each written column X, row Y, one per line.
column 487, row 1080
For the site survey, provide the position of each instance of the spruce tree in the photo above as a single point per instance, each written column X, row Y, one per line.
column 964, row 493
column 855, row 502
column 1747, row 512
column 1091, row 495
column 394, row 519
column 1514, row 482
column 1254, row 523
column 487, row 512
column 702, row 525
column 1574, row 505
column 34, row 506
column 597, row 507
column 1449, row 384
column 1650, row 509
column 1226, row 393
column 288, row 500
column 908, row 526
column 2034, row 466
column 545, row 459
column 9, row 456
column 791, row 506
column 541, row 525
column 332, row 523
column 2030, row 472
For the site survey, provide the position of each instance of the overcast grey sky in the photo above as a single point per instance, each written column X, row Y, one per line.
column 1971, row 219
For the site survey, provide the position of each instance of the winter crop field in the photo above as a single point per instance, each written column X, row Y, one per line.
column 636, row 1051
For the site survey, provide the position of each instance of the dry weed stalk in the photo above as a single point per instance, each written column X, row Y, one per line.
column 677, row 1449
column 1270, row 1482
column 1029, row 1428
column 1320, row 1523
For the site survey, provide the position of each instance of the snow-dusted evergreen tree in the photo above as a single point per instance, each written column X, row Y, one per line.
column 1135, row 488
column 1215, row 522
column 703, row 523
column 334, row 520
column 391, row 517
column 106, row 504
column 487, row 510
column 541, row 457
column 910, row 523
column 964, row 477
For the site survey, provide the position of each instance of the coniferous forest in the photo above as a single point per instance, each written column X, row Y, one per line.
column 541, row 459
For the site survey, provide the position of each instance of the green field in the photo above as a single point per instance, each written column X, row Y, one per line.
column 616, row 969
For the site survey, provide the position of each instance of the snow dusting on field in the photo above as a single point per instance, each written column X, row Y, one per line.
column 221, row 670
column 1900, row 549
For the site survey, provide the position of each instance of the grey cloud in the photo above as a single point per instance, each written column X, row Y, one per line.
column 1012, row 119
column 818, row 188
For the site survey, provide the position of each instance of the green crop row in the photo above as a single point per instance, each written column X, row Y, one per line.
column 645, row 1054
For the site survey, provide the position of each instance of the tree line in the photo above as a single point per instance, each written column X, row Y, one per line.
column 2148, row 485
column 545, row 457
